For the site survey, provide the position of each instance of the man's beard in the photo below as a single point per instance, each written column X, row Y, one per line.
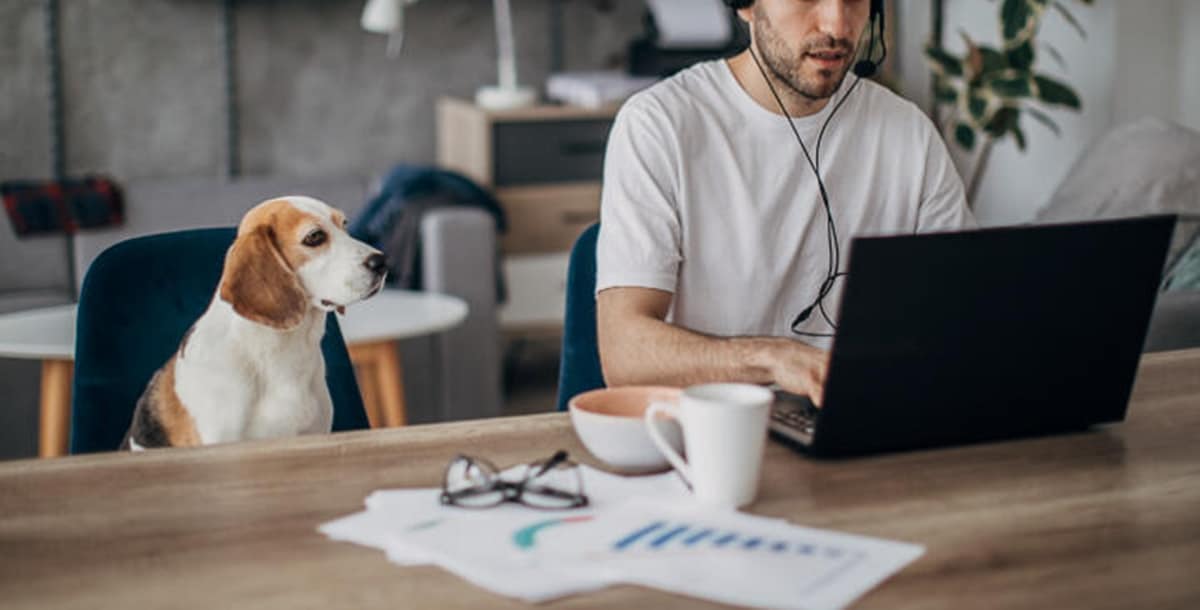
column 788, row 68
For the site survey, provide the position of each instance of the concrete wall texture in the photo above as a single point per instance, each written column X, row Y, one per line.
column 317, row 95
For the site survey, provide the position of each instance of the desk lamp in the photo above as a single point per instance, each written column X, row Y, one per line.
column 387, row 17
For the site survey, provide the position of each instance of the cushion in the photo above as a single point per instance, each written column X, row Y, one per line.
column 1185, row 274
column 1148, row 166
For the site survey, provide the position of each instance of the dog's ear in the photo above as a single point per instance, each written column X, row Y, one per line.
column 259, row 284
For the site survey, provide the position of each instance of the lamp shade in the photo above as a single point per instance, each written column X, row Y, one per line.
column 384, row 16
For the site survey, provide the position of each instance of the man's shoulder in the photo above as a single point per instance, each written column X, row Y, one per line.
column 692, row 90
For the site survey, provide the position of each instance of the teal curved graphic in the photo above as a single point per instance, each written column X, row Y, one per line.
column 524, row 538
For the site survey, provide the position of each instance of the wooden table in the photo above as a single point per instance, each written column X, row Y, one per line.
column 371, row 329
column 1108, row 519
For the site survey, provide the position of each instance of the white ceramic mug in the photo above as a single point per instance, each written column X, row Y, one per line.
column 724, row 432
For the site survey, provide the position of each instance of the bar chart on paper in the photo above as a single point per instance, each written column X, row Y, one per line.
column 668, row 536
column 731, row 557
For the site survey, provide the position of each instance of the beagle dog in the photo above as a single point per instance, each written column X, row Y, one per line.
column 251, row 366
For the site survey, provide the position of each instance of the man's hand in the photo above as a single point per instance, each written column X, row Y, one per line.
column 638, row 347
column 798, row 368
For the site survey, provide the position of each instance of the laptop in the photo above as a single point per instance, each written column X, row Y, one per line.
column 955, row 338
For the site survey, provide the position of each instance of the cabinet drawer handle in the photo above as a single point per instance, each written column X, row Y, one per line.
column 582, row 147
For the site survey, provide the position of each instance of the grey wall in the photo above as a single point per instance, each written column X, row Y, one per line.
column 143, row 80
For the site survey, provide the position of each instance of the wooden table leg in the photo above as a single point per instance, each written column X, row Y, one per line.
column 55, row 424
column 391, row 385
column 380, row 379
column 368, row 387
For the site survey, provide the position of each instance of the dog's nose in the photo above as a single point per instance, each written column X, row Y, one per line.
column 376, row 263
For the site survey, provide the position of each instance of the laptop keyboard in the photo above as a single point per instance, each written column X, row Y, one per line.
column 794, row 417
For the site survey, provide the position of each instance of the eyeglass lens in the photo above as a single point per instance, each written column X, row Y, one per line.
column 553, row 484
column 473, row 483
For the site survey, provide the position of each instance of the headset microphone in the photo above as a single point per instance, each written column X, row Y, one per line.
column 867, row 67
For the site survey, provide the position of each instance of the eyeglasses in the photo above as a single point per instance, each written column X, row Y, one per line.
column 551, row 484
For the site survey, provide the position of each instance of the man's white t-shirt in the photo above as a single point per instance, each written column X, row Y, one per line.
column 707, row 195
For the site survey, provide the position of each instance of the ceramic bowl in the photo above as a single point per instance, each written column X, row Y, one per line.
column 609, row 423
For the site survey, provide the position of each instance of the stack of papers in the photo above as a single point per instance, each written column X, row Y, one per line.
column 594, row 89
column 637, row 530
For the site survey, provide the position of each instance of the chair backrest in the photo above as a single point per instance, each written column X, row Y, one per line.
column 138, row 299
column 579, row 367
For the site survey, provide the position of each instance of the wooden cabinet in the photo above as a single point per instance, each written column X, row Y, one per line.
column 544, row 165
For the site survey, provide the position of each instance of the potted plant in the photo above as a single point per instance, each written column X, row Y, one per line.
column 981, row 96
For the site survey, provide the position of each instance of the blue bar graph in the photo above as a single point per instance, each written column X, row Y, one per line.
column 663, row 535
column 665, row 538
column 698, row 536
column 726, row 539
column 635, row 536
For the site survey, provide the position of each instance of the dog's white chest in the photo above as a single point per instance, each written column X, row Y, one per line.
column 289, row 406
column 261, row 385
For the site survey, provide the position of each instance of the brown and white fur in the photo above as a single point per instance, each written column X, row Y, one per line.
column 251, row 366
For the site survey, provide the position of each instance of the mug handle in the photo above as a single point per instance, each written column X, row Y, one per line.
column 676, row 460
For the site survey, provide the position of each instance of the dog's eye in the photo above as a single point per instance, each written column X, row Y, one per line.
column 314, row 239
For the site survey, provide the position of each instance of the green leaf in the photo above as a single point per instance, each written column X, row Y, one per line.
column 1000, row 123
column 1011, row 84
column 993, row 61
column 1014, row 17
column 965, row 136
column 946, row 94
column 1054, row 92
column 1019, row 20
column 1044, row 119
column 943, row 62
column 1018, row 135
column 1021, row 56
column 977, row 106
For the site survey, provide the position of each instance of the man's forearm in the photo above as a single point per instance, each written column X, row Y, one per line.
column 637, row 346
column 648, row 351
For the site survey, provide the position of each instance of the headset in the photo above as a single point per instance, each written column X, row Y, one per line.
column 864, row 68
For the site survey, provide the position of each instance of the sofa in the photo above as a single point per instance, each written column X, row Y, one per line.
column 452, row 375
column 1146, row 166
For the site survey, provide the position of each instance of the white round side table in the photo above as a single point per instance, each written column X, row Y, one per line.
column 371, row 329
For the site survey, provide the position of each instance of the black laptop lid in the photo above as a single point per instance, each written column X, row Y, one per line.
column 959, row 337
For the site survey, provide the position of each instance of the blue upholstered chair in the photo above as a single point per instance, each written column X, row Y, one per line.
column 137, row 301
column 579, row 367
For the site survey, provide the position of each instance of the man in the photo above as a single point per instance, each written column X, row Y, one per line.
column 713, row 230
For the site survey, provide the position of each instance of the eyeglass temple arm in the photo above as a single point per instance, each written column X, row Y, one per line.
column 558, row 457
